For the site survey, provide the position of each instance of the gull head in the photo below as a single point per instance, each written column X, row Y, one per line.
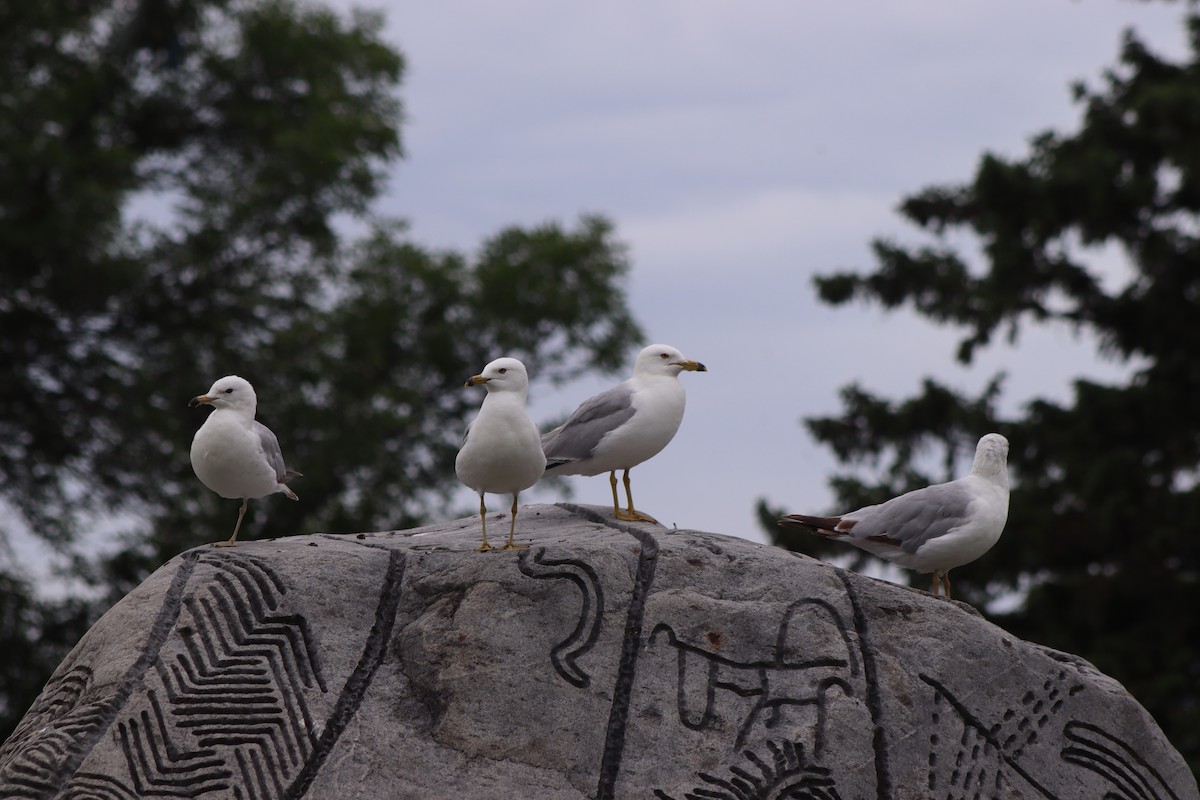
column 502, row 375
column 991, row 456
column 229, row 392
column 662, row 359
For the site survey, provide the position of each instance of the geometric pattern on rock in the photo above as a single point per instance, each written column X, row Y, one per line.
column 607, row 660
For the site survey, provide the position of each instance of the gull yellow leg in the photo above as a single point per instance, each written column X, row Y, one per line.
column 483, row 548
column 612, row 481
column 631, row 515
column 510, row 544
column 941, row 582
column 233, row 539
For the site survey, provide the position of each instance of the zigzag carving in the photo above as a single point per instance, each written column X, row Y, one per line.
column 91, row 786
column 240, row 682
column 41, row 744
column 158, row 766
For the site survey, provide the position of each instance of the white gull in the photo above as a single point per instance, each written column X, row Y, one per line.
column 934, row 529
column 500, row 452
column 625, row 425
column 234, row 455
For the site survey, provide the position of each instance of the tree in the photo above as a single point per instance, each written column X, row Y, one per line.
column 164, row 165
column 1101, row 540
column 175, row 182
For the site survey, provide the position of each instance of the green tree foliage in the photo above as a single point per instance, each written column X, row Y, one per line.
column 1101, row 538
column 176, row 183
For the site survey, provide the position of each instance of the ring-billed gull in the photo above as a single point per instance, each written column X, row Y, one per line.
column 934, row 529
column 625, row 425
column 233, row 454
column 501, row 452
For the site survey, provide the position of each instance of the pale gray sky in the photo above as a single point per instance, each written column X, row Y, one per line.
column 741, row 148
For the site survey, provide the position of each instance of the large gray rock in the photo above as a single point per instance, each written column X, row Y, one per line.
column 606, row 661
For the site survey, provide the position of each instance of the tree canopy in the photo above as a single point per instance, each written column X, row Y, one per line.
column 1101, row 542
column 177, row 187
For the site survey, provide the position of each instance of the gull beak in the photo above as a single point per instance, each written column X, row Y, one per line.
column 475, row 380
column 202, row 399
column 691, row 366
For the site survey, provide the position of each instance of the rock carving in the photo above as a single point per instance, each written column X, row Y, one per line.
column 609, row 660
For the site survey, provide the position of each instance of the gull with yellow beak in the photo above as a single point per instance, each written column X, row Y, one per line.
column 232, row 453
column 625, row 425
column 500, row 452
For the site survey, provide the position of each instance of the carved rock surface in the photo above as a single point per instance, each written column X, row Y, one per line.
column 606, row 661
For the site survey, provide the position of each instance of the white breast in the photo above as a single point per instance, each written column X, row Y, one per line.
column 228, row 459
column 658, row 411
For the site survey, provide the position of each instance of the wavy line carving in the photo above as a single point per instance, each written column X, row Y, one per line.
column 1098, row 750
column 564, row 655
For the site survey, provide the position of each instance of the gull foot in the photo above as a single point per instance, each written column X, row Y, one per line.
column 635, row 516
column 225, row 543
column 515, row 546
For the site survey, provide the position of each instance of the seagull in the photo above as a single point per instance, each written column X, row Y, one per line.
column 234, row 455
column 625, row 425
column 500, row 452
column 933, row 529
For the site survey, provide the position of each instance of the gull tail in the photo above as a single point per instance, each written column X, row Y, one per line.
column 287, row 490
column 821, row 526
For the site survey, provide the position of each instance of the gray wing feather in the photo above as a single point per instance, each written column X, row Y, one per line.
column 577, row 438
column 270, row 448
column 916, row 517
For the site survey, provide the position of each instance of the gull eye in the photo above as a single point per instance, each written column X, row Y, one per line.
column 663, row 356
column 229, row 390
column 503, row 370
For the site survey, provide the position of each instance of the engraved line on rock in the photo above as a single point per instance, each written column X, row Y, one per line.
column 239, row 679
column 160, row 629
column 618, row 718
column 752, row 678
column 47, row 732
column 360, row 679
column 259, row 578
column 158, row 767
column 304, row 660
column 789, row 773
column 239, row 713
column 587, row 631
column 883, row 781
column 94, row 786
column 985, row 733
column 1099, row 751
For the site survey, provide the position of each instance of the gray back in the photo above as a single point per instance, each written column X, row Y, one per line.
column 576, row 439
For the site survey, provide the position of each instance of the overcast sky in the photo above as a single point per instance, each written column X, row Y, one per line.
column 740, row 149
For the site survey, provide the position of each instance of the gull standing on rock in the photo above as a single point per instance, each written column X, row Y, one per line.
column 234, row 455
column 625, row 425
column 934, row 529
column 500, row 452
